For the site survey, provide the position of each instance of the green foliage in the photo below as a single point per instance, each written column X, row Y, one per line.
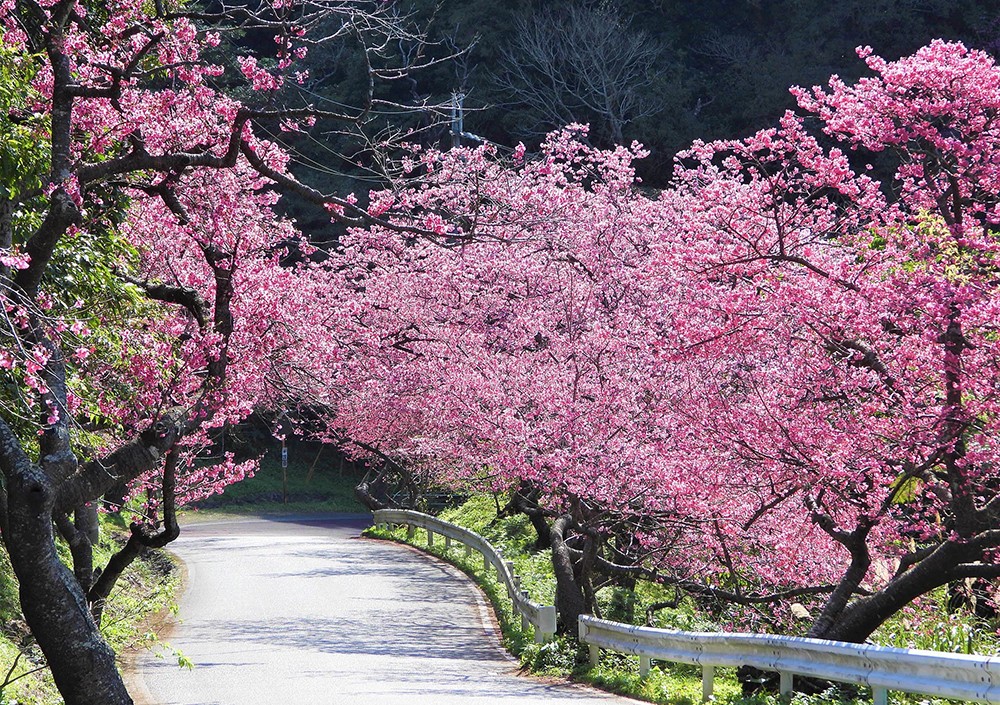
column 727, row 64
column 927, row 624
column 316, row 482
column 561, row 656
column 23, row 157
column 85, row 267
column 676, row 684
column 514, row 537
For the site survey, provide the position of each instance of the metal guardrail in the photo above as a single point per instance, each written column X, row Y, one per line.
column 881, row 668
column 541, row 617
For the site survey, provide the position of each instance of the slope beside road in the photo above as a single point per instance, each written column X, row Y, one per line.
column 306, row 612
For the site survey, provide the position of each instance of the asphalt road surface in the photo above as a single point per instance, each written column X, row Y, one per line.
column 305, row 612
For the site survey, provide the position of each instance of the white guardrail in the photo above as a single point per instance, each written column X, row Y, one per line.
column 541, row 617
column 881, row 668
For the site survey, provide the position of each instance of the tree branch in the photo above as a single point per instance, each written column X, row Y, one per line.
column 185, row 296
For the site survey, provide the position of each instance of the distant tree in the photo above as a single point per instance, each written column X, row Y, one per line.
column 583, row 64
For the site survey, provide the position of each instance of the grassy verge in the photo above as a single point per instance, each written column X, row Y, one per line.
column 144, row 590
column 310, row 484
column 667, row 683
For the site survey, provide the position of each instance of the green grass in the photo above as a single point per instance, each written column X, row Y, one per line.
column 145, row 589
column 267, row 492
column 514, row 538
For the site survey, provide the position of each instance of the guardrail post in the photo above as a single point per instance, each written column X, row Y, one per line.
column 707, row 682
column 430, row 537
column 545, row 630
column 644, row 665
column 486, row 563
column 468, row 551
column 880, row 696
column 595, row 655
column 447, row 542
column 411, row 531
column 785, row 680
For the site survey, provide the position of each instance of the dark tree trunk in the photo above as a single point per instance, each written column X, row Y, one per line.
column 140, row 539
column 839, row 599
column 525, row 501
column 543, row 538
column 81, row 549
column 585, row 576
column 54, row 605
column 85, row 519
column 570, row 600
column 363, row 494
column 859, row 619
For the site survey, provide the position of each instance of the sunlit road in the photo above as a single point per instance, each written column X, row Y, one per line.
column 305, row 612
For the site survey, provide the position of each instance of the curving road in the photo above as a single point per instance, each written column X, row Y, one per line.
column 305, row 612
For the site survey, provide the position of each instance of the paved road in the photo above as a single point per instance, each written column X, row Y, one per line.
column 305, row 612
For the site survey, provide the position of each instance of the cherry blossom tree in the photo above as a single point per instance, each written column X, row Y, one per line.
column 779, row 374
column 146, row 301
column 852, row 339
column 775, row 379
column 511, row 351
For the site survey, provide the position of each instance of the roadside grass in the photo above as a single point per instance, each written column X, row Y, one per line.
column 314, row 484
column 144, row 590
column 666, row 683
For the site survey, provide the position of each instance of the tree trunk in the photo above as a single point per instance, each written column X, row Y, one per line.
column 570, row 600
column 54, row 605
column 863, row 616
column 525, row 501
column 363, row 494
column 81, row 549
column 85, row 518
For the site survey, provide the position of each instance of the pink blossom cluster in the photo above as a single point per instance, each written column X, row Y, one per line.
column 217, row 237
column 767, row 353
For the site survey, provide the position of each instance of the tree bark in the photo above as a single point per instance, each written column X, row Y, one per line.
column 859, row 619
column 140, row 538
column 525, row 501
column 81, row 549
column 54, row 605
column 570, row 600
column 85, row 519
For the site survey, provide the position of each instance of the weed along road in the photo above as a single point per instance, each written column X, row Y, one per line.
column 306, row 612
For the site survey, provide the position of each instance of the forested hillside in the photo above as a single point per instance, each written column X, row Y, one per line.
column 661, row 72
